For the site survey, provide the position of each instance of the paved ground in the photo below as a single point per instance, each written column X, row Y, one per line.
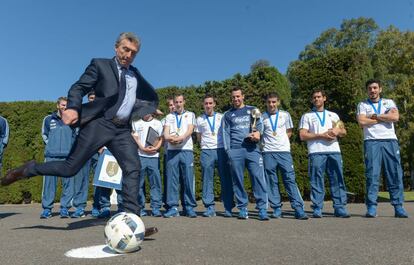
column 25, row 239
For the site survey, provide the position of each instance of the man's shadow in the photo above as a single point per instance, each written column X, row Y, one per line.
column 75, row 226
column 71, row 226
column 5, row 215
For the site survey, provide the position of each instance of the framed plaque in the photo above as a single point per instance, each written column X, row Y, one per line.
column 152, row 137
column 108, row 173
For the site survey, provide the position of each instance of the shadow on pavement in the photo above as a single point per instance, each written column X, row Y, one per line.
column 71, row 226
column 5, row 215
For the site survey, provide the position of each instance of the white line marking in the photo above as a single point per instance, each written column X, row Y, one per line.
column 92, row 252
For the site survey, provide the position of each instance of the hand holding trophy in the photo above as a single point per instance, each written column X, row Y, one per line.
column 175, row 138
column 336, row 127
column 254, row 135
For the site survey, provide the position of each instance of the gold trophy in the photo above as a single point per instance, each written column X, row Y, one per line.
column 339, row 124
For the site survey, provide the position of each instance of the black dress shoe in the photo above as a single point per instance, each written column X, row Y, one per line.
column 150, row 231
column 16, row 174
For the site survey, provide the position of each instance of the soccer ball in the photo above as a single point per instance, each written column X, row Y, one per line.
column 124, row 232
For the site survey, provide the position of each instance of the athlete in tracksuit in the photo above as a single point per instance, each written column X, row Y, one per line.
column 376, row 116
column 210, row 136
column 150, row 163
column 241, row 134
column 318, row 129
column 4, row 138
column 277, row 128
column 59, row 139
column 178, row 129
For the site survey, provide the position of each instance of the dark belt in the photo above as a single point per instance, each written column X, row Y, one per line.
column 119, row 122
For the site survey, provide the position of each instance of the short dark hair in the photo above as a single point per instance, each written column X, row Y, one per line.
column 372, row 81
column 237, row 88
column 318, row 90
column 272, row 95
column 92, row 93
column 209, row 96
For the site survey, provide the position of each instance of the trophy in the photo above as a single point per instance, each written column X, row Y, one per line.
column 255, row 115
column 339, row 124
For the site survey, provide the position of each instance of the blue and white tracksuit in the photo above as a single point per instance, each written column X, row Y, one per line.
column 213, row 155
column 324, row 156
column 180, row 160
column 150, row 164
column 277, row 156
column 381, row 148
column 59, row 139
column 4, row 138
column 243, row 153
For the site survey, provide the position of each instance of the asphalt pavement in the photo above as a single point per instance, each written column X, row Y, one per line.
column 26, row 239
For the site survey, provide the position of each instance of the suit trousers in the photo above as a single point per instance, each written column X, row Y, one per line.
column 95, row 134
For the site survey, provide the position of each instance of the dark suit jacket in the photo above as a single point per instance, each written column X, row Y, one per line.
column 102, row 76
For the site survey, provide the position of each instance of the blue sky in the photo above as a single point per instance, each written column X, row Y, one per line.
column 46, row 44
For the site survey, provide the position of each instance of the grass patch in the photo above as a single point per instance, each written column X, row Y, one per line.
column 384, row 196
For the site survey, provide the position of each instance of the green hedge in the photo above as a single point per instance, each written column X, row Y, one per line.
column 25, row 119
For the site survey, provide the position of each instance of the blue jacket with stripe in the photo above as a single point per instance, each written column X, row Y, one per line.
column 57, row 136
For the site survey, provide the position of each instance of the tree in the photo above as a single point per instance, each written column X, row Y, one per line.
column 259, row 64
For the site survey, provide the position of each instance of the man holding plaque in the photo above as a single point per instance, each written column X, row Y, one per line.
column 321, row 128
column 241, row 134
column 210, row 136
column 178, row 128
column 276, row 156
column 147, row 134
column 376, row 116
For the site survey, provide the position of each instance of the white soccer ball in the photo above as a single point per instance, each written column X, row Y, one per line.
column 124, row 232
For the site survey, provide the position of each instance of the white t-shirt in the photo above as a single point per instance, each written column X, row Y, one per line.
column 311, row 122
column 279, row 142
column 381, row 130
column 208, row 139
column 141, row 128
column 184, row 119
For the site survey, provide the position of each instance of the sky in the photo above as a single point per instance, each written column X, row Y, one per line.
column 45, row 45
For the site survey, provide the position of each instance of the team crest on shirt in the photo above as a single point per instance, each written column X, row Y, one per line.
column 387, row 105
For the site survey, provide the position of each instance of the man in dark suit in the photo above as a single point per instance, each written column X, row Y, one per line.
column 121, row 93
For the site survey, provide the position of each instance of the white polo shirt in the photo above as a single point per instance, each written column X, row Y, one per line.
column 178, row 126
column 141, row 128
column 279, row 142
column 204, row 125
column 311, row 122
column 381, row 130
